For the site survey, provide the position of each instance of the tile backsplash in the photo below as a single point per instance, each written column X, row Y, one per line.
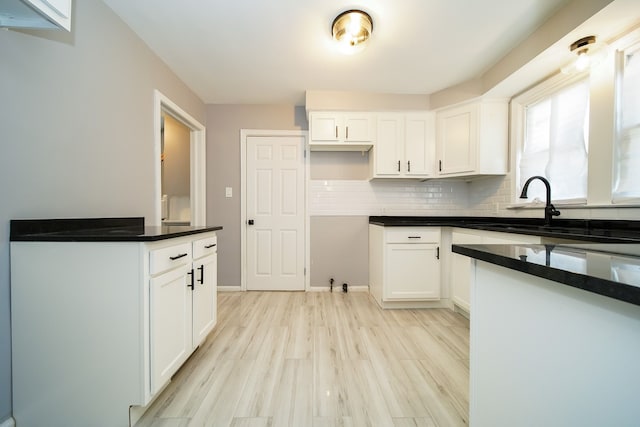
column 397, row 197
column 488, row 196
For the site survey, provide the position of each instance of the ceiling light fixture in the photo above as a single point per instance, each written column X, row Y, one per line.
column 351, row 29
column 590, row 53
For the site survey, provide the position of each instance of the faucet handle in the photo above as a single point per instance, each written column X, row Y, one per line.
column 553, row 211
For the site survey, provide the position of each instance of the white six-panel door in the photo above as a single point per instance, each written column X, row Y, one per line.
column 275, row 232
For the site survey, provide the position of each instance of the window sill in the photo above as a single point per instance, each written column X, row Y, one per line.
column 540, row 206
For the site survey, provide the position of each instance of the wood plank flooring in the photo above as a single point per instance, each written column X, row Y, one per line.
column 321, row 359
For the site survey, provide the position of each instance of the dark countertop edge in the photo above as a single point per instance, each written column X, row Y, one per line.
column 597, row 227
column 22, row 227
column 608, row 288
column 113, row 238
column 117, row 229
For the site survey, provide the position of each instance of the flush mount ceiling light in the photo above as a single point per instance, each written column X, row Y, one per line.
column 352, row 29
column 590, row 53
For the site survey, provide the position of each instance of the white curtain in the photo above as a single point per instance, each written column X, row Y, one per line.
column 556, row 144
column 627, row 149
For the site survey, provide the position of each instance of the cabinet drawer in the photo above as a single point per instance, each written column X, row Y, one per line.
column 413, row 236
column 206, row 246
column 167, row 258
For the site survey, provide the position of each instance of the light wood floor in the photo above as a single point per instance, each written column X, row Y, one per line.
column 321, row 359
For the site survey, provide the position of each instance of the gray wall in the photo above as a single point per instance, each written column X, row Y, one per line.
column 224, row 123
column 62, row 154
column 339, row 250
column 339, row 244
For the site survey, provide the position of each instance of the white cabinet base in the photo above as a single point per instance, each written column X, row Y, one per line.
column 84, row 346
column 547, row 354
column 441, row 303
column 404, row 267
column 77, row 329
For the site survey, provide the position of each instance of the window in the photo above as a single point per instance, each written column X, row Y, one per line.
column 627, row 146
column 555, row 142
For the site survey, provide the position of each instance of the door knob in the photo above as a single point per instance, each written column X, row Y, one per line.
column 250, row 222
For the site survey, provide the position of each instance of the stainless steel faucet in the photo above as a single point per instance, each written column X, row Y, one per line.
column 549, row 211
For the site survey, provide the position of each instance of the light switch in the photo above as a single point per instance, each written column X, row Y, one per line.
column 228, row 192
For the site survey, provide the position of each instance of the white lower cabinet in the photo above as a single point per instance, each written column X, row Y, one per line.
column 404, row 265
column 460, row 276
column 461, row 270
column 205, row 293
column 99, row 328
column 182, row 304
column 171, row 325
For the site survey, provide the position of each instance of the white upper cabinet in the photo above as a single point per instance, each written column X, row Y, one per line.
column 404, row 146
column 340, row 131
column 385, row 158
column 420, row 144
column 472, row 139
column 36, row 14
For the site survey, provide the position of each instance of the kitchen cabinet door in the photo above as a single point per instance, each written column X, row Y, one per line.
column 498, row 238
column 204, row 298
column 325, row 126
column 461, row 271
column 460, row 278
column 340, row 131
column 457, row 135
column 388, row 153
column 472, row 139
column 404, row 147
column 357, row 127
column 419, row 145
column 413, row 272
column 170, row 324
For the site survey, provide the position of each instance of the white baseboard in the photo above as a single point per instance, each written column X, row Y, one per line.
column 9, row 422
column 442, row 303
column 338, row 288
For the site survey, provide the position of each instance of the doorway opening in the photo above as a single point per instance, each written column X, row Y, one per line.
column 174, row 204
column 175, row 160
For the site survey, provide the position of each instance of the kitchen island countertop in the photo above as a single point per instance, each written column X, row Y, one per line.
column 129, row 229
column 611, row 270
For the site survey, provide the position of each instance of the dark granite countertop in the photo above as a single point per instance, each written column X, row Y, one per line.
column 592, row 230
column 131, row 229
column 612, row 270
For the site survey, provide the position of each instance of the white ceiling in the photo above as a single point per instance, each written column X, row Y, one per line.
column 271, row 52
